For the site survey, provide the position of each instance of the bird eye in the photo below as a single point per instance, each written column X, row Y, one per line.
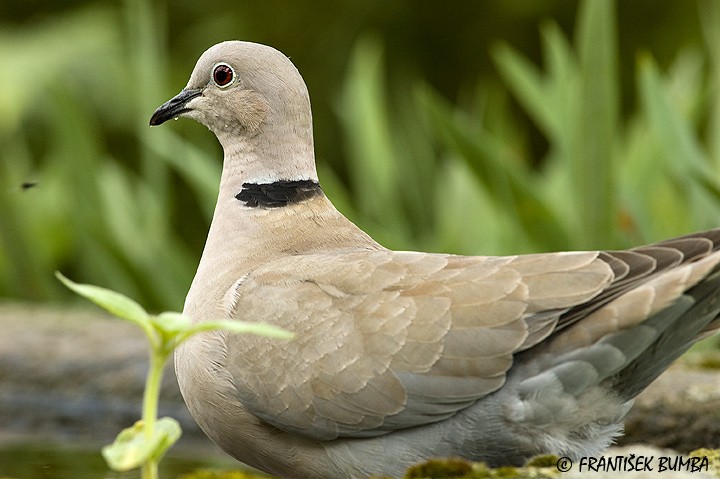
column 223, row 75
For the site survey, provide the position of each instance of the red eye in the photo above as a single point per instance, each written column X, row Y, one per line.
column 223, row 75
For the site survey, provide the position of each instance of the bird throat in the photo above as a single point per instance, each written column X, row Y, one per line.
column 279, row 193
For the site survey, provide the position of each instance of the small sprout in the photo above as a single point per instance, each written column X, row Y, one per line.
column 145, row 443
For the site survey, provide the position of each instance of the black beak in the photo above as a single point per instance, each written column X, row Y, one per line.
column 173, row 107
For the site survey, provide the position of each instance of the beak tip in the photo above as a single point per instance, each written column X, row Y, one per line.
column 173, row 108
column 156, row 119
column 161, row 115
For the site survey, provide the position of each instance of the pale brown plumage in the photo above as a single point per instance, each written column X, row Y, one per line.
column 399, row 356
column 385, row 314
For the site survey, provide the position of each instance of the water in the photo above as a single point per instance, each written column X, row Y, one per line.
column 56, row 462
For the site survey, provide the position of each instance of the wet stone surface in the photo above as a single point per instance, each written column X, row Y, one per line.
column 680, row 410
column 75, row 374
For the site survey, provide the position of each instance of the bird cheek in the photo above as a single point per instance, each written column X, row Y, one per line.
column 197, row 115
column 213, row 114
column 252, row 112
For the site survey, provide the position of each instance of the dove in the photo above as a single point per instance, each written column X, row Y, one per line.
column 401, row 356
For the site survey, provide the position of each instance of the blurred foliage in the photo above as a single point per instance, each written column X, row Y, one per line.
column 577, row 153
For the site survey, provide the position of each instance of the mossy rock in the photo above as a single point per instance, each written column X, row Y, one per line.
column 217, row 474
column 713, row 456
column 540, row 467
column 709, row 360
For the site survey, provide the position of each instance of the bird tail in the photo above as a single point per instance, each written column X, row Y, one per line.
column 672, row 331
column 620, row 347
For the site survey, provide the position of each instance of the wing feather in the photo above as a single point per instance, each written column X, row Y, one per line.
column 388, row 340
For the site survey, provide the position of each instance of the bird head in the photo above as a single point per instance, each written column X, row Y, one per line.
column 255, row 101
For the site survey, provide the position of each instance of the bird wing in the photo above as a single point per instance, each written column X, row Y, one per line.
column 390, row 340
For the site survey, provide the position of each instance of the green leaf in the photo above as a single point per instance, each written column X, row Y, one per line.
column 129, row 450
column 171, row 323
column 167, row 432
column 242, row 327
column 116, row 303
column 132, row 448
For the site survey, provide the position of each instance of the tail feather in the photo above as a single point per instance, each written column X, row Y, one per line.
column 691, row 317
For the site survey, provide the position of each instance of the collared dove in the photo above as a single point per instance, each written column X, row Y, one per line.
column 401, row 356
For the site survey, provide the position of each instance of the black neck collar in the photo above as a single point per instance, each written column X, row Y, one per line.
column 277, row 194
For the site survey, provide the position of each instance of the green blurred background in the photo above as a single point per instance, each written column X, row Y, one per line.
column 475, row 127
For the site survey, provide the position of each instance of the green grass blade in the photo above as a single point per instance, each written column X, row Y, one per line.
column 527, row 84
column 592, row 157
column 365, row 118
column 682, row 153
column 510, row 186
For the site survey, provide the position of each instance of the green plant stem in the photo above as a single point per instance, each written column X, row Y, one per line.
column 158, row 357
column 150, row 470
